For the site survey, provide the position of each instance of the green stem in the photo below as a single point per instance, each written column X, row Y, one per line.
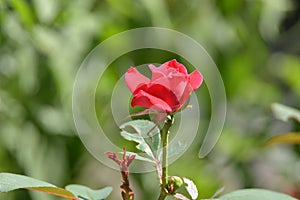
column 162, row 195
column 165, row 136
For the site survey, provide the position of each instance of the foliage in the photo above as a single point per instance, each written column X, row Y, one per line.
column 285, row 113
column 42, row 43
column 9, row 182
column 248, row 194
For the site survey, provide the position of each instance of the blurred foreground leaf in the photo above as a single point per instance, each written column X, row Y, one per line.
column 293, row 138
column 9, row 182
column 83, row 192
column 285, row 113
column 259, row 194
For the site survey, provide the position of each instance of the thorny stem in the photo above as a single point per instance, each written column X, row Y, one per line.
column 126, row 191
column 165, row 136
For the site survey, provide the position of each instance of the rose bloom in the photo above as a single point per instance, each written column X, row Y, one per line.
column 168, row 90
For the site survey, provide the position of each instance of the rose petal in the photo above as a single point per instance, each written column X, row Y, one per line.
column 165, row 81
column 141, row 87
column 178, row 84
column 196, row 79
column 167, row 68
column 157, row 73
column 168, row 90
column 176, row 65
column 175, row 83
column 186, row 95
column 146, row 100
column 161, row 92
column 165, row 94
column 134, row 79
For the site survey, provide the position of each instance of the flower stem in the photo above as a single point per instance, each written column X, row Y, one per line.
column 165, row 136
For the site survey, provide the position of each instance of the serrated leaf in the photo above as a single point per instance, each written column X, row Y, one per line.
column 293, row 138
column 9, row 182
column 83, row 192
column 251, row 194
column 191, row 188
column 285, row 113
column 147, row 135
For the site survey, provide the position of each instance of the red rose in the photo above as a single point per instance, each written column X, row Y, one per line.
column 167, row 91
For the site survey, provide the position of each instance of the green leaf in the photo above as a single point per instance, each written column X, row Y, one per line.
column 83, row 192
column 191, row 188
column 146, row 134
column 24, row 11
column 293, row 138
column 54, row 191
column 285, row 113
column 251, row 194
column 9, row 182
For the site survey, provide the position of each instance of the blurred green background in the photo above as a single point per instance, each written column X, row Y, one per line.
column 255, row 44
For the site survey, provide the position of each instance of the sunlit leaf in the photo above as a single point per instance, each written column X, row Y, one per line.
column 146, row 134
column 83, row 192
column 9, row 182
column 252, row 194
column 285, row 113
column 24, row 11
column 191, row 188
column 293, row 138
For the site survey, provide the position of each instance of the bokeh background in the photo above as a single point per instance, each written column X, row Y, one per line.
column 255, row 44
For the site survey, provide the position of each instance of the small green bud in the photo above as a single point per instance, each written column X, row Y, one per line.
column 174, row 183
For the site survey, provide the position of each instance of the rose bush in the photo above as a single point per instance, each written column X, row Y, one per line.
column 167, row 91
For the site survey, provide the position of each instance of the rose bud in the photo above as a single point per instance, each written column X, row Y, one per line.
column 167, row 91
